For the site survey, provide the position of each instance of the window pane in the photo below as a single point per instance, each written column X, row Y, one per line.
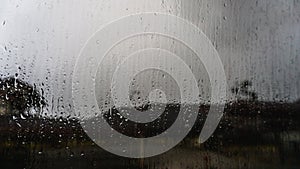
column 149, row 84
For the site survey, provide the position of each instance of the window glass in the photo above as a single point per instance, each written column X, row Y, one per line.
column 149, row 84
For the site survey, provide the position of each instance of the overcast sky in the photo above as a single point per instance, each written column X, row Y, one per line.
column 256, row 40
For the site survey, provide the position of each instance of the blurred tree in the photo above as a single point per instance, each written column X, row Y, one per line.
column 17, row 96
column 243, row 90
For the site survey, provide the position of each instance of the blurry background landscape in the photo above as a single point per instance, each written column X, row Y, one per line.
column 252, row 134
column 258, row 43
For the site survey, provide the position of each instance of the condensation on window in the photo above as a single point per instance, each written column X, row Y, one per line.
column 43, row 44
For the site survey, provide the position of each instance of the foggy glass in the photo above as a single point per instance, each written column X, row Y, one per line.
column 259, row 46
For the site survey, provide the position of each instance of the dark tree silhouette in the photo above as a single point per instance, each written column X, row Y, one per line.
column 19, row 96
column 243, row 89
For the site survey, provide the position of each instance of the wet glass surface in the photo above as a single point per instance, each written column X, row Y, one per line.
column 252, row 134
column 41, row 44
